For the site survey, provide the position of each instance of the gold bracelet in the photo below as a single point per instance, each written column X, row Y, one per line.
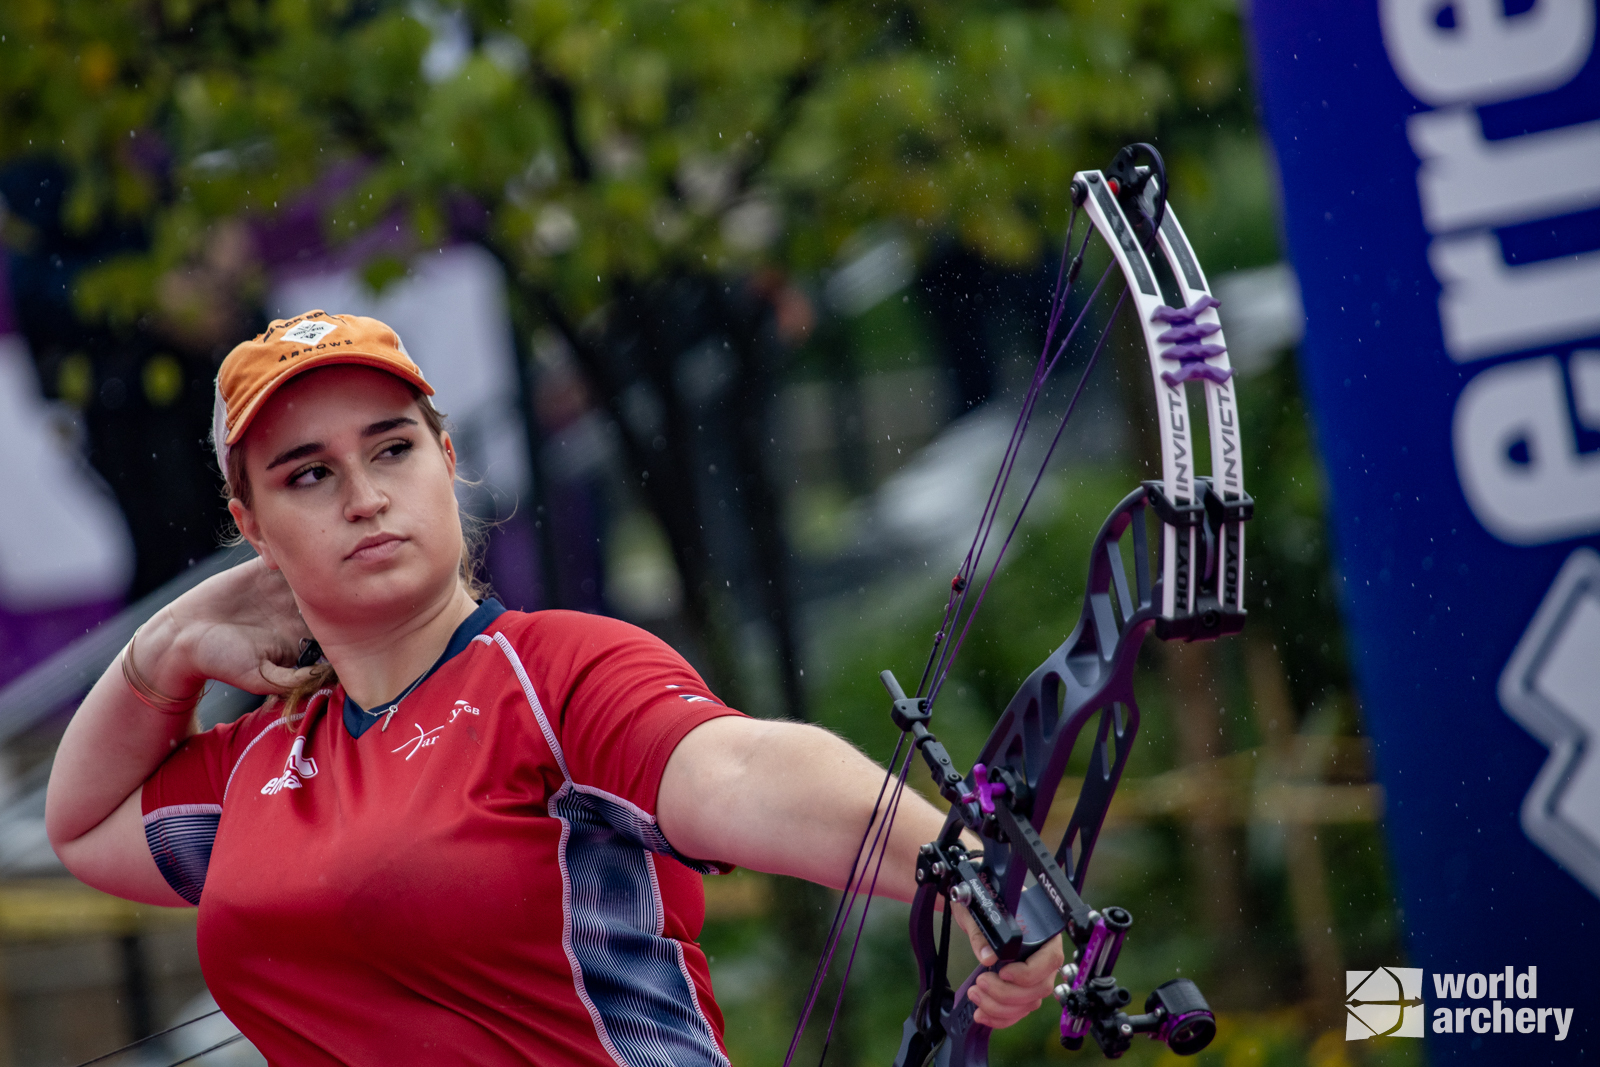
column 146, row 693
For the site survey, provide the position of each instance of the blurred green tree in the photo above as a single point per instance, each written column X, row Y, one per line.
column 611, row 141
column 624, row 159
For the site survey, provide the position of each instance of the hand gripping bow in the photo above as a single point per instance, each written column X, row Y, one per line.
column 1187, row 584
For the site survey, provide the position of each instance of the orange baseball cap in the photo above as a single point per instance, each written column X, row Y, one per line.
column 257, row 368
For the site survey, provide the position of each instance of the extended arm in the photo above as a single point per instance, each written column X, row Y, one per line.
column 793, row 799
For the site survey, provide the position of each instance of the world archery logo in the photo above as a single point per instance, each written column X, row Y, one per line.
column 1375, row 1003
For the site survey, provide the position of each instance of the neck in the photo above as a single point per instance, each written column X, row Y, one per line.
column 375, row 664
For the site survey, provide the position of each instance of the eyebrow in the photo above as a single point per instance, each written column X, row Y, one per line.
column 313, row 447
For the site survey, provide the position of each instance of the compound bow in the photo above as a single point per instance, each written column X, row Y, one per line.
column 1188, row 584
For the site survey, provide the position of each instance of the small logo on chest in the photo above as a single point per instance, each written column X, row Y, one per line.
column 295, row 768
column 424, row 739
column 428, row 738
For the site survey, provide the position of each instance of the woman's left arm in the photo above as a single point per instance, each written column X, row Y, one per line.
column 788, row 798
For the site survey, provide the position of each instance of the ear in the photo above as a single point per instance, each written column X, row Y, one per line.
column 250, row 529
column 449, row 447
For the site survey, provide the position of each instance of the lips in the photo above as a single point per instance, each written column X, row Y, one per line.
column 376, row 548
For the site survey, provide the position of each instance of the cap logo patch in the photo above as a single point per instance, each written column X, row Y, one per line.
column 310, row 332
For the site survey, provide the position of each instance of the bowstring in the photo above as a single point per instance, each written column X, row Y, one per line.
column 1083, row 380
column 945, row 656
column 942, row 656
column 961, row 588
column 224, row 1043
column 855, row 945
column 1065, row 276
column 847, row 900
column 163, row 1033
column 1057, row 304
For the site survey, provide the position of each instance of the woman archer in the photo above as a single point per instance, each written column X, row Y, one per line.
column 472, row 835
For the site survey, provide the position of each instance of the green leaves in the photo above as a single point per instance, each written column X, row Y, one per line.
column 606, row 137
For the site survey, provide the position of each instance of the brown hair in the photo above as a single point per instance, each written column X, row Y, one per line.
column 236, row 484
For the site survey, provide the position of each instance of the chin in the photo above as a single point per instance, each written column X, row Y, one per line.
column 361, row 592
column 398, row 590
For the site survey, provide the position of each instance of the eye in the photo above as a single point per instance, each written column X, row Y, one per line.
column 394, row 449
column 310, row 474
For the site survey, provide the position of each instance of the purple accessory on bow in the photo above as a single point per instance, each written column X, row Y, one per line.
column 1198, row 331
column 1184, row 316
column 1184, row 336
column 1197, row 370
column 986, row 791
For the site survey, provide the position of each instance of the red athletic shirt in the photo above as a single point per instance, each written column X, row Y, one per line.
column 483, row 882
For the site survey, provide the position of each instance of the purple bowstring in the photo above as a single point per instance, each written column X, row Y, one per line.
column 944, row 657
column 1041, row 371
column 953, row 608
column 841, row 914
column 855, row 945
column 955, row 646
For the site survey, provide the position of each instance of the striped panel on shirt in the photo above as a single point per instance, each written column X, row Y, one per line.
column 638, row 826
column 180, row 838
column 633, row 979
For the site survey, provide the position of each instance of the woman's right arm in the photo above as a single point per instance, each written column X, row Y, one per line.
column 240, row 626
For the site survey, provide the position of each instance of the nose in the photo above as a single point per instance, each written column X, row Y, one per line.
column 363, row 499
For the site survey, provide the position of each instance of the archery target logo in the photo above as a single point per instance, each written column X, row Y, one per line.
column 310, row 332
column 1383, row 1002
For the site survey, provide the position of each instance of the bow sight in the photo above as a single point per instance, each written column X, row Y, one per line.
column 1186, row 583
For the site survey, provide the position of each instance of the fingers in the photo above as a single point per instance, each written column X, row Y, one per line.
column 1005, row 996
column 980, row 944
column 281, row 680
column 247, row 594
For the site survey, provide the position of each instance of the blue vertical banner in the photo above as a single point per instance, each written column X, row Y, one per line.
column 1440, row 166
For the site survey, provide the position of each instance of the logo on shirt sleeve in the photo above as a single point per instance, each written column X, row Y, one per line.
column 296, row 767
column 690, row 698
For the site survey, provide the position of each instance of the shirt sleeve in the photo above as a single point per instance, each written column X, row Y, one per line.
column 182, row 804
column 625, row 700
column 629, row 701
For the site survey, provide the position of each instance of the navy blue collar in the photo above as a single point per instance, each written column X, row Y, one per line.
column 357, row 720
